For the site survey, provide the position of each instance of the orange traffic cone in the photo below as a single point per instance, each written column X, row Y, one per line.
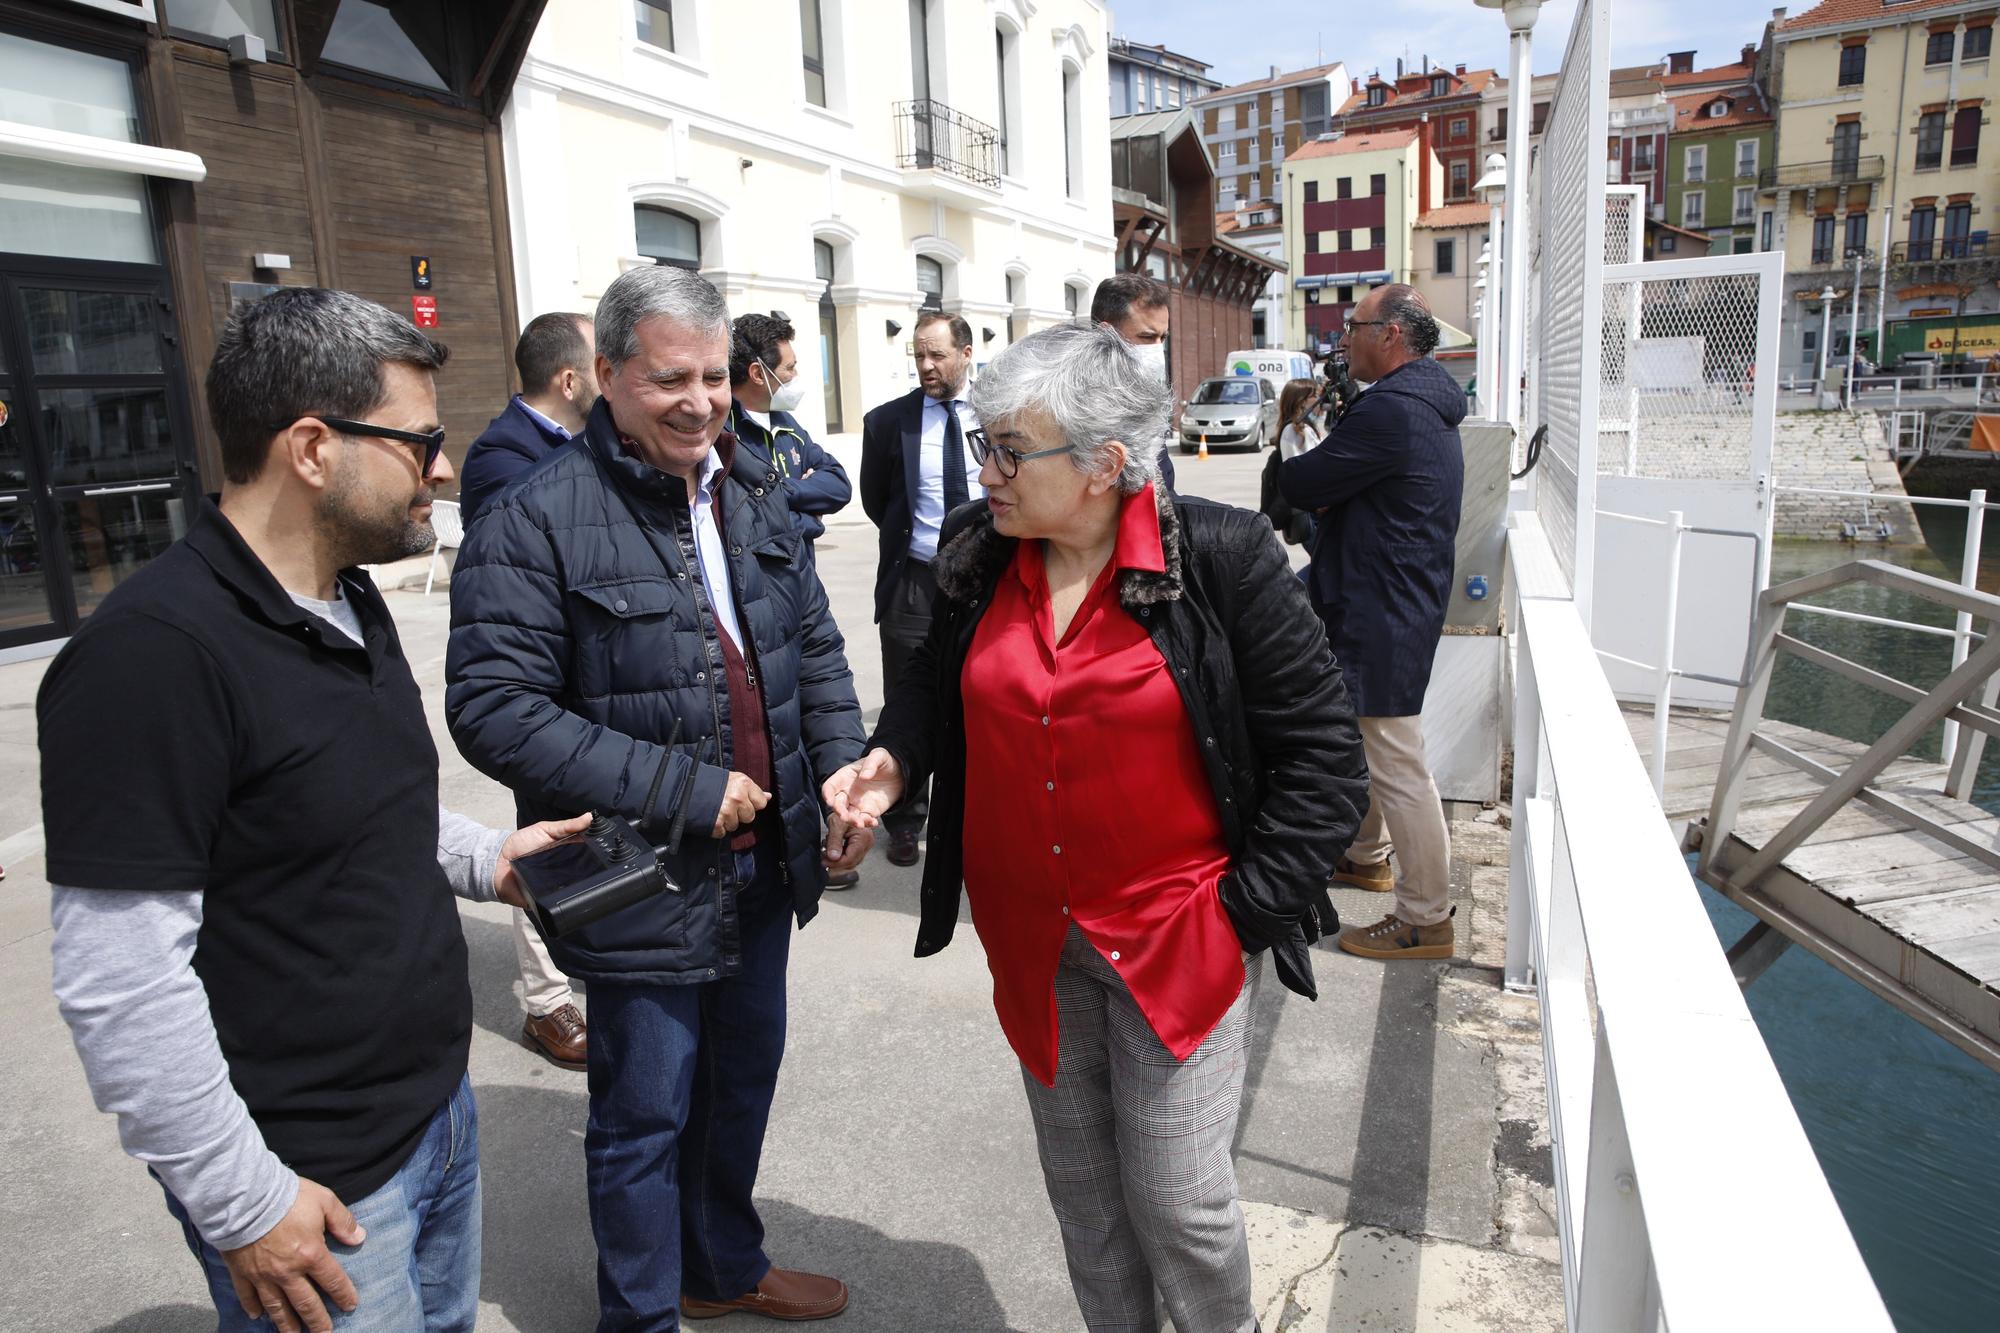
column 1203, row 455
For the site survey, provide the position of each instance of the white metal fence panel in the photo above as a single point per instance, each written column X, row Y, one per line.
column 1624, row 224
column 1564, row 345
column 1682, row 341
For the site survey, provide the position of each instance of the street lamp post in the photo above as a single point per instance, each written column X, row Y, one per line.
column 1853, row 332
column 1825, row 331
column 1492, row 187
column 1521, row 15
column 1482, row 375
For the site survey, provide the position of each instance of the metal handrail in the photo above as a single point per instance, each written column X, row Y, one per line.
column 1965, row 697
column 1658, row 1078
column 933, row 136
column 1793, row 174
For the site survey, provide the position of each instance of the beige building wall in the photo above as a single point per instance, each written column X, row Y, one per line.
column 1401, row 208
column 721, row 130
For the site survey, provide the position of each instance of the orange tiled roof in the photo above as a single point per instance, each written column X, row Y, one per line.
column 1834, row 13
column 1736, row 73
column 1354, row 143
column 1416, row 89
column 1746, row 108
column 1455, row 215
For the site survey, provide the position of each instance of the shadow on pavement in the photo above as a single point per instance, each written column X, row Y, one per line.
column 166, row 1319
column 540, row 1261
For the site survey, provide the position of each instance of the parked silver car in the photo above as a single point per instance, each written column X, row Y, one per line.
column 1230, row 410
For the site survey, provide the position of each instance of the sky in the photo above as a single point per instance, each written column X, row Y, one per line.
column 1367, row 34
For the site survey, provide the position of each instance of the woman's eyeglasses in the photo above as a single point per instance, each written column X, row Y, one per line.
column 1008, row 460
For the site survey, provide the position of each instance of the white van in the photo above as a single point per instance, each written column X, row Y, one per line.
column 1274, row 365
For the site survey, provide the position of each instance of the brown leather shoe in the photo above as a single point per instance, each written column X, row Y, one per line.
column 782, row 1294
column 903, row 847
column 559, row 1037
column 842, row 879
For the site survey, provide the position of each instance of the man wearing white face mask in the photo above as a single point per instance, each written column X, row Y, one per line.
column 767, row 386
column 1136, row 305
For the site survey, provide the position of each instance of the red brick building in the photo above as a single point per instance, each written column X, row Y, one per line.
column 1450, row 97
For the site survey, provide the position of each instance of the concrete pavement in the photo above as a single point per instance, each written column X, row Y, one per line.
column 1392, row 1153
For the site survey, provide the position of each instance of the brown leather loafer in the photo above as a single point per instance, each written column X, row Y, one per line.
column 559, row 1037
column 902, row 847
column 782, row 1294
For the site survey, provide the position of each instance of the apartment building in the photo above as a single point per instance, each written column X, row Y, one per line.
column 1881, row 111
column 1152, row 78
column 849, row 162
column 1641, row 120
column 1721, row 141
column 1454, row 101
column 1350, row 203
column 1251, row 127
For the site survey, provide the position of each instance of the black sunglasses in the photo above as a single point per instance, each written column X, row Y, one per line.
column 432, row 440
column 1008, row 460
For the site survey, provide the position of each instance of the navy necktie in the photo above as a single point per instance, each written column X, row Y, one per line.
column 955, row 493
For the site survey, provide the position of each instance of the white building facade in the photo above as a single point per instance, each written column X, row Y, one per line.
column 847, row 162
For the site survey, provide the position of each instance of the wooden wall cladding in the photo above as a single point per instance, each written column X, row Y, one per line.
column 350, row 183
column 246, row 127
column 400, row 182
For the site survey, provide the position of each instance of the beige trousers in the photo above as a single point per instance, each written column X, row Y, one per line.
column 1404, row 812
column 544, row 989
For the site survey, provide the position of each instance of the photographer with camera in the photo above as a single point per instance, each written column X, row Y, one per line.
column 1386, row 483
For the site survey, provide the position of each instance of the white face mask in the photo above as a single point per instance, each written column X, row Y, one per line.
column 786, row 397
column 1153, row 356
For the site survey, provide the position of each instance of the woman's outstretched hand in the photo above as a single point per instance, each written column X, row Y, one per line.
column 863, row 791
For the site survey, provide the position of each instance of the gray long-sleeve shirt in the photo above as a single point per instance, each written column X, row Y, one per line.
column 139, row 1016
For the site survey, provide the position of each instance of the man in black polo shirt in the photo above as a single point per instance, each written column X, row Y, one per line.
column 255, row 944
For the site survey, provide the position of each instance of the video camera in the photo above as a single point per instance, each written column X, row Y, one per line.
column 1340, row 383
column 609, row 867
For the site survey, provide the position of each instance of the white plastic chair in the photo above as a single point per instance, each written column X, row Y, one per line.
column 450, row 532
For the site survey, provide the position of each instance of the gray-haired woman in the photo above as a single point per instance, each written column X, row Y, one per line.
column 1143, row 766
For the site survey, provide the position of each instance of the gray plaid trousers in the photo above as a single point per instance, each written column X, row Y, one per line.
column 1135, row 1153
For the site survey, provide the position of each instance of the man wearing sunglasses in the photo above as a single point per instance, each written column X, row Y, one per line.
column 256, row 946
column 1386, row 482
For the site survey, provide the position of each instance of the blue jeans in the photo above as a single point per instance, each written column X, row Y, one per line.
column 681, row 1080
column 418, row 1269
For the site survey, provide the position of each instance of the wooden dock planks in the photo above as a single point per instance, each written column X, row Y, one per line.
column 1915, row 920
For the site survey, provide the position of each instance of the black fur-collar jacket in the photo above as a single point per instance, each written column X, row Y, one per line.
column 1279, row 740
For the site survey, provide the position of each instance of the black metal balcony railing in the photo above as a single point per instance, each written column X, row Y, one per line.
column 1794, row 175
column 1943, row 249
column 931, row 136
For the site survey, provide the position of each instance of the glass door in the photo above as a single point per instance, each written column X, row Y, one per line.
column 94, row 477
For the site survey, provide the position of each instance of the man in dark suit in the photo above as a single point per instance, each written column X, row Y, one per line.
column 1386, row 482
column 765, row 387
column 915, row 469
column 555, row 356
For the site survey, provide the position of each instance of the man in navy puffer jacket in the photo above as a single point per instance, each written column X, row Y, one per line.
column 650, row 574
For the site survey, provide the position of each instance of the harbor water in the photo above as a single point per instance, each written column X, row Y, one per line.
column 1906, row 1126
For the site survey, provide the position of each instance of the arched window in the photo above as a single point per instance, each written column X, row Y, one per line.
column 930, row 279
column 667, row 237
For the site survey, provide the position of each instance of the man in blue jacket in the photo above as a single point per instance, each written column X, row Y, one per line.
column 635, row 629
column 1386, row 482
column 767, row 387
column 558, row 388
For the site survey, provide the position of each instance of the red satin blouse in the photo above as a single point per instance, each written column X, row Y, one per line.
column 1086, row 801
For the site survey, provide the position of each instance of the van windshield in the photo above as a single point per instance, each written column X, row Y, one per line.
column 1237, row 390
